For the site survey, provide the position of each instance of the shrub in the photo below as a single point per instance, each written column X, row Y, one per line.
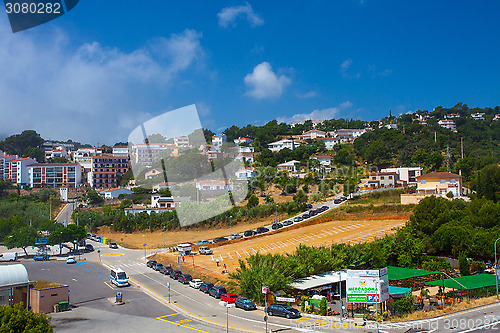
column 322, row 307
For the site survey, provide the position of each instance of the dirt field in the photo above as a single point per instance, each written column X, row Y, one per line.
column 325, row 233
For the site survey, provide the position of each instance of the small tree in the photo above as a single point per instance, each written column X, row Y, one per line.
column 463, row 264
column 404, row 305
column 450, row 195
column 17, row 319
column 94, row 198
column 322, row 307
column 253, row 201
column 22, row 237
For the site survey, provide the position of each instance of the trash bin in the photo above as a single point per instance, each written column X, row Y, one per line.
column 63, row 306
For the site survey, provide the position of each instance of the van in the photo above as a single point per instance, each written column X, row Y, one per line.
column 118, row 277
column 8, row 256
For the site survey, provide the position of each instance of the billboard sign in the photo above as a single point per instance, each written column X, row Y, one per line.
column 367, row 286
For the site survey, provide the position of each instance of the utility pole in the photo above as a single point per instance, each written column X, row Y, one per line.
column 448, row 158
column 435, row 138
column 496, row 267
column 230, row 218
column 462, row 147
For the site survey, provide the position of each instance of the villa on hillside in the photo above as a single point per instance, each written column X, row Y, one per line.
column 435, row 183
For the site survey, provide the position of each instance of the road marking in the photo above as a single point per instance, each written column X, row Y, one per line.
column 239, row 256
column 229, row 255
column 180, row 323
column 248, row 254
column 221, row 259
column 109, row 285
column 112, row 254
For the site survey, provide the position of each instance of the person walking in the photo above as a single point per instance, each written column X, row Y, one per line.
column 225, row 269
column 217, row 261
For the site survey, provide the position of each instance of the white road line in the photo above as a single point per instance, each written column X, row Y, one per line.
column 229, row 255
column 248, row 254
column 239, row 256
column 221, row 259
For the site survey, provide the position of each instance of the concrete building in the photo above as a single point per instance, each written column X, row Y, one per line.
column 105, row 169
column 14, row 283
column 214, row 185
column 16, row 171
column 181, row 141
column 451, row 116
column 113, row 193
column 378, row 180
column 55, row 174
column 145, row 154
column 219, row 140
column 313, row 134
column 330, row 142
column 83, row 156
column 50, row 145
column 324, row 160
column 408, row 175
column 477, row 116
column 497, row 116
column 246, row 174
column 349, row 133
column 153, row 173
column 435, row 183
column 240, row 141
column 282, row 144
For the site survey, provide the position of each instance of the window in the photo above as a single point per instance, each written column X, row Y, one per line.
column 453, row 181
column 382, row 177
column 423, row 182
column 442, row 181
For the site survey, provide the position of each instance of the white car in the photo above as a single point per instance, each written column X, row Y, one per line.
column 235, row 236
column 205, row 250
column 71, row 260
column 196, row 283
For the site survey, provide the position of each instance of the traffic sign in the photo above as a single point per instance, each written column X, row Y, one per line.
column 265, row 290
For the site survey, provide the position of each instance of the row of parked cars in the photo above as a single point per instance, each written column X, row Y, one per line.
column 261, row 230
column 339, row 200
column 217, row 292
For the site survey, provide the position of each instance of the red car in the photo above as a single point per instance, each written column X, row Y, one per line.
column 229, row 298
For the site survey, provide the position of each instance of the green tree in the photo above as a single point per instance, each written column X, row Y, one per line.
column 463, row 264
column 487, row 183
column 404, row 305
column 253, row 201
column 19, row 144
column 21, row 237
column 17, row 319
column 93, row 197
column 322, row 307
column 300, row 197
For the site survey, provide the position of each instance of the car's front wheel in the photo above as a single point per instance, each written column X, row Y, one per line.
column 287, row 316
column 270, row 313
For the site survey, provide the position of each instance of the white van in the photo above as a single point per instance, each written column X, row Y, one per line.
column 119, row 277
column 8, row 256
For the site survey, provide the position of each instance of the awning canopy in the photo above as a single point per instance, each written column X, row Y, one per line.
column 13, row 275
column 394, row 291
column 469, row 282
column 400, row 273
column 318, row 280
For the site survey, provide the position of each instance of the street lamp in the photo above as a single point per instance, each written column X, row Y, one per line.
column 276, row 221
column 340, row 292
column 144, row 247
column 112, row 227
column 227, row 305
column 496, row 267
column 377, row 284
column 230, row 218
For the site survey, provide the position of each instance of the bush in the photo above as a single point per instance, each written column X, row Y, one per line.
column 17, row 319
column 322, row 307
column 404, row 306
column 303, row 301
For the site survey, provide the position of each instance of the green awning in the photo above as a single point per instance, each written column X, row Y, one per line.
column 469, row 282
column 398, row 290
column 400, row 273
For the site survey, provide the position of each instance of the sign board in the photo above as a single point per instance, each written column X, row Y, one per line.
column 285, row 299
column 367, row 286
column 265, row 290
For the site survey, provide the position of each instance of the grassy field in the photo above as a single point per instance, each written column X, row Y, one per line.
column 383, row 197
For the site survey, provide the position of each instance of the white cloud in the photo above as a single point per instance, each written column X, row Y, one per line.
column 91, row 92
column 346, row 104
column 344, row 70
column 227, row 16
column 264, row 83
column 321, row 114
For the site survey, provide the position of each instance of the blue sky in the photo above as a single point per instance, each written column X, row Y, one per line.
column 97, row 72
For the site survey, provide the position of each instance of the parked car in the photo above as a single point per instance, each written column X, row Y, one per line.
column 195, row 283
column 166, row 270
column 287, row 222
column 228, row 298
column 277, row 226
column 337, row 201
column 158, row 266
column 202, row 242
column 282, row 310
column 89, row 248
column 245, row 304
column 249, row 233
column 150, row 263
column 71, row 260
column 206, row 286
column 309, row 206
column 175, row 274
column 297, row 219
column 217, row 291
column 219, row 239
column 325, row 208
column 261, row 230
column 112, row 245
column 184, row 278
column 205, row 250
column 234, row 236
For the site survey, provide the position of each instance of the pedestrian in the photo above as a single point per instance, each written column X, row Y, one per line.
column 225, row 269
column 183, row 260
column 217, row 261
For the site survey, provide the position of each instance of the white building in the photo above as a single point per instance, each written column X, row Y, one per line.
column 181, row 141
column 408, row 175
column 153, row 173
column 449, row 124
column 4, row 168
column 17, row 170
column 219, row 140
column 120, row 151
column 246, row 174
column 83, row 156
column 245, row 153
column 55, row 174
column 282, row 144
column 451, row 116
column 313, row 134
column 59, row 151
column 477, row 116
column 240, row 141
column 324, row 160
column 113, row 193
column 330, row 142
column 288, row 166
column 497, row 116
column 214, row 185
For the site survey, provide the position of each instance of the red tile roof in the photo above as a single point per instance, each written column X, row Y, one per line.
column 440, row 175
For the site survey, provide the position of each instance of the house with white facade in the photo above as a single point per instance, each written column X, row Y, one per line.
column 181, row 141
column 324, row 160
column 246, row 174
column 313, row 134
column 435, row 183
column 451, row 116
column 290, row 166
column 55, row 174
column 477, row 116
column 17, row 170
column 113, row 193
column 378, row 180
column 497, row 116
column 214, row 185
column 406, row 174
column 120, row 151
column 219, row 140
column 246, row 154
column 282, row 144
column 83, row 156
column 449, row 124
column 240, row 141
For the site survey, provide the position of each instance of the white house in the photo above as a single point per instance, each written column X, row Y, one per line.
column 451, row 116
column 219, row 140
column 313, row 134
column 324, row 160
column 497, row 116
column 449, row 124
column 288, row 166
column 214, row 185
column 246, row 174
column 120, row 151
column 282, row 144
column 240, row 141
column 477, row 116
column 408, row 174
column 113, row 193
column 153, row 173
column 59, row 151
column 161, row 186
column 181, row 141
column 330, row 142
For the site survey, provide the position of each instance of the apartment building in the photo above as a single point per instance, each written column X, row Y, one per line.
column 313, row 134
column 16, row 171
column 408, row 174
column 55, row 174
column 477, row 116
column 219, row 140
column 282, row 144
column 104, row 170
column 181, row 141
column 120, row 151
column 449, row 124
column 145, row 154
column 240, row 141
column 83, row 156
column 3, row 164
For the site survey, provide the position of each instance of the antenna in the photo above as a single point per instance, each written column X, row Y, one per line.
column 462, row 146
